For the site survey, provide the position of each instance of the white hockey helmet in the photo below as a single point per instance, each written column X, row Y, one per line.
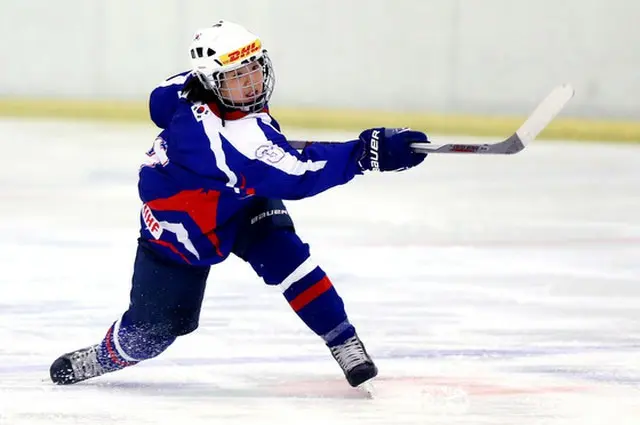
column 225, row 47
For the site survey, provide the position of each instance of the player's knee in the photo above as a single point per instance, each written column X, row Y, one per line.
column 277, row 256
column 152, row 344
column 173, row 327
column 185, row 325
column 160, row 332
column 173, row 320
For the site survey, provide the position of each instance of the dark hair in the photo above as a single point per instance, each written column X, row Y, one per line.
column 196, row 92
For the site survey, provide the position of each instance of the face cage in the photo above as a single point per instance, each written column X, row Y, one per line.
column 255, row 103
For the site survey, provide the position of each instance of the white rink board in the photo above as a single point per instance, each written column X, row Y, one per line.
column 489, row 290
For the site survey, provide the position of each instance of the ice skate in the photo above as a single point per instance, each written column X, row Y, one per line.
column 356, row 364
column 76, row 366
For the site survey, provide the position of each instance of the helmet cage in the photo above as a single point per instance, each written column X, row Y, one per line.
column 216, row 82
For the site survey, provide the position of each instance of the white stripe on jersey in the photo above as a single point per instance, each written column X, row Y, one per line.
column 212, row 125
column 182, row 235
column 248, row 138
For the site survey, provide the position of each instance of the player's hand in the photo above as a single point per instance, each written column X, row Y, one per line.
column 388, row 149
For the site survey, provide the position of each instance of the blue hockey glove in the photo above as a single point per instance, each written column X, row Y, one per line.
column 388, row 149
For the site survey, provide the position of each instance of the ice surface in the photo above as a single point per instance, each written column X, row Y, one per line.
column 490, row 290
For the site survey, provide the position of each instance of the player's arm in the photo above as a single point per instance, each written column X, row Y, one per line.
column 270, row 167
column 164, row 99
column 277, row 170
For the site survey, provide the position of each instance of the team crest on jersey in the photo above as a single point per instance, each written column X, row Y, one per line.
column 200, row 111
column 157, row 155
column 271, row 153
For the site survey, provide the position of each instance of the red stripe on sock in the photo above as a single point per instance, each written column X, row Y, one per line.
column 112, row 352
column 310, row 294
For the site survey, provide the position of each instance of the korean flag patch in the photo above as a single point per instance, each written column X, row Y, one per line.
column 200, row 111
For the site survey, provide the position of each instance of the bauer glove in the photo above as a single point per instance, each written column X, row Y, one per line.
column 389, row 149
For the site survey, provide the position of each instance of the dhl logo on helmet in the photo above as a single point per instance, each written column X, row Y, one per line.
column 241, row 53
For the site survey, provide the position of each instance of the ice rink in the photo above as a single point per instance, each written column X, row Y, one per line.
column 489, row 290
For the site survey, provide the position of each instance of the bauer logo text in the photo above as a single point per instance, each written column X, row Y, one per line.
column 375, row 155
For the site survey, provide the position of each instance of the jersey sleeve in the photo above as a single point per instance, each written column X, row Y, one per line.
column 274, row 169
column 165, row 99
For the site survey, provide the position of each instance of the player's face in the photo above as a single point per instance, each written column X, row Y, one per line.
column 243, row 85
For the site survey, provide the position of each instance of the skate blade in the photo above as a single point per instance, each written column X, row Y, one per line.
column 367, row 389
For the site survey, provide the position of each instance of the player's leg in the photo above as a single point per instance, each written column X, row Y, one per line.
column 269, row 243
column 165, row 303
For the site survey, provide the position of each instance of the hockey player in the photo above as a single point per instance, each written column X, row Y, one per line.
column 212, row 185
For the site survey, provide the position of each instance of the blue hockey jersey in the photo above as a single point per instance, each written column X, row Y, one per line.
column 201, row 173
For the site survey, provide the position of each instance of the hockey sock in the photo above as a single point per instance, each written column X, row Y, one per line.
column 283, row 260
column 127, row 343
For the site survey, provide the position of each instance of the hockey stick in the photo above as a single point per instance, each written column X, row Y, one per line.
column 544, row 113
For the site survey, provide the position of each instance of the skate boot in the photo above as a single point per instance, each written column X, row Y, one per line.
column 76, row 366
column 356, row 364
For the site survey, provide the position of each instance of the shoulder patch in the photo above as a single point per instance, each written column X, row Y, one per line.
column 200, row 111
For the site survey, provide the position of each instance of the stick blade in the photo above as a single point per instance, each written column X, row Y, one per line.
column 545, row 113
